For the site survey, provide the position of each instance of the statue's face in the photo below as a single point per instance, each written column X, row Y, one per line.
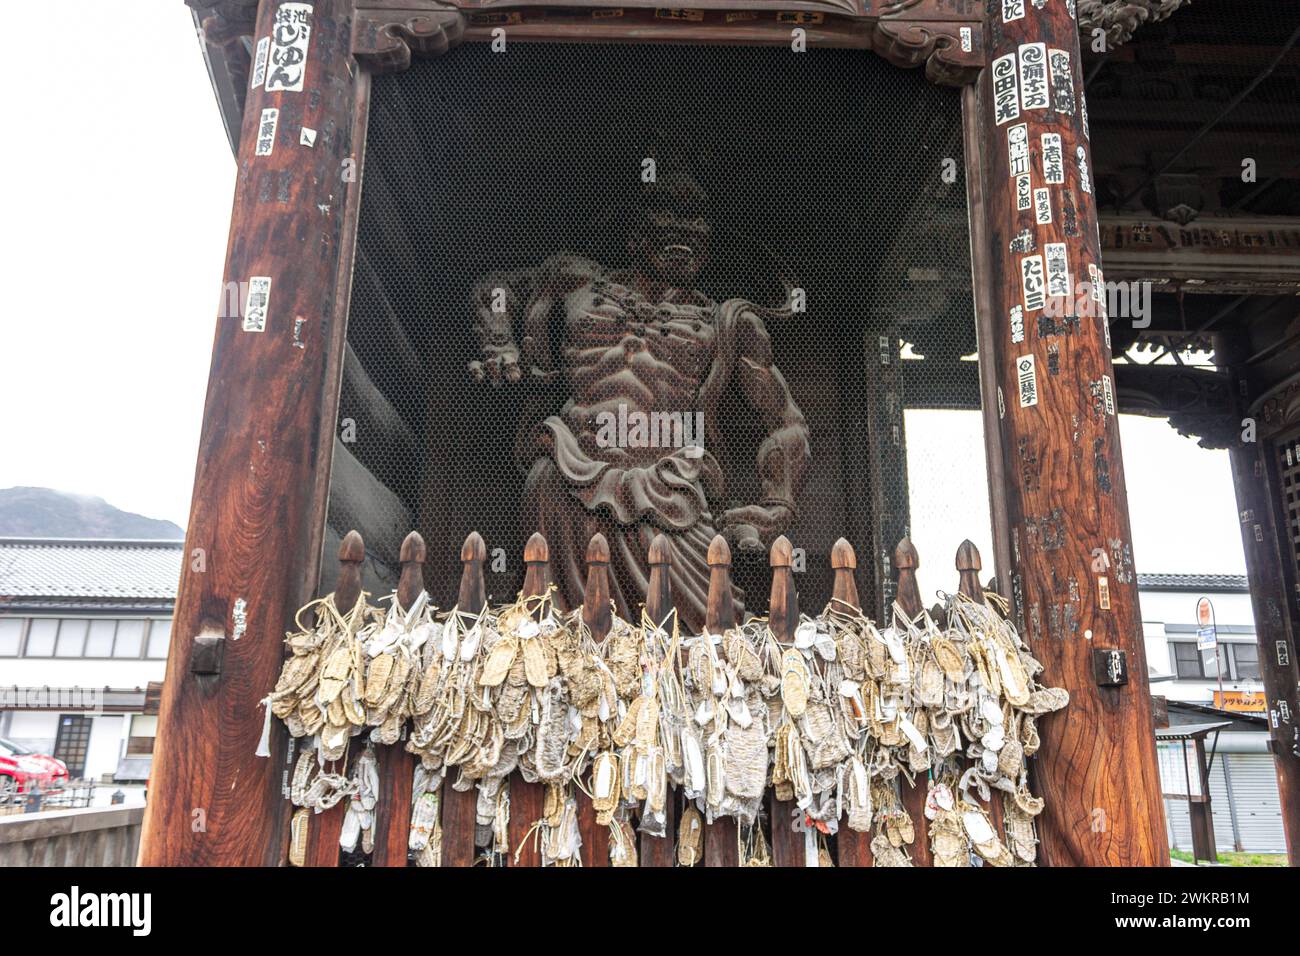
column 674, row 247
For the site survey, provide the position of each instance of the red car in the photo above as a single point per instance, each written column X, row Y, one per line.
column 22, row 770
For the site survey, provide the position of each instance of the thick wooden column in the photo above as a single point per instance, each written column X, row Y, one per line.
column 253, row 540
column 1072, row 575
column 1264, row 532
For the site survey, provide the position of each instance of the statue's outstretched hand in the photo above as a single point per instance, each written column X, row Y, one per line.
column 500, row 363
column 505, row 362
column 755, row 527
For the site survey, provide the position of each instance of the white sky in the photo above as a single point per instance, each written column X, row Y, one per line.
column 118, row 181
column 117, row 208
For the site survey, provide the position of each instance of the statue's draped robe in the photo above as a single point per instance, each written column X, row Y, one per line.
column 576, row 489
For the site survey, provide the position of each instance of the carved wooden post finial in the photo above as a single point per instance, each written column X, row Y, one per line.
column 720, row 615
column 659, row 595
column 352, row 551
column 783, row 604
column 596, row 611
column 907, row 560
column 411, row 584
column 844, row 561
column 473, row 592
column 969, row 565
column 537, row 556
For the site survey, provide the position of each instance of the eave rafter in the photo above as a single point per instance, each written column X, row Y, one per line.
column 946, row 37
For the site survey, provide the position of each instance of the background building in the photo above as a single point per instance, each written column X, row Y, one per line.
column 1243, row 776
column 84, row 629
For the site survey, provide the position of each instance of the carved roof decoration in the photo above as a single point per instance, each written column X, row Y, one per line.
column 1119, row 18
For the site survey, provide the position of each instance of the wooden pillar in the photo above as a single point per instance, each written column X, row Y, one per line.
column 598, row 615
column 721, row 847
column 459, row 806
column 254, row 533
column 852, row 848
column 1072, row 576
column 527, row 800
column 324, row 828
column 658, row 851
column 396, row 765
column 913, row 796
column 783, row 618
column 1263, row 539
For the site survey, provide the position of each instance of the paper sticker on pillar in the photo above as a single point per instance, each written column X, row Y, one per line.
column 1058, row 64
column 967, row 39
column 1012, row 10
column 1006, row 93
column 1081, row 157
column 259, row 62
column 1103, row 594
column 290, row 37
column 1283, row 654
column 1031, row 282
column 1058, row 270
column 1017, row 317
column 1109, row 392
column 266, row 131
column 1026, row 381
column 257, row 303
column 1042, row 206
column 1033, row 76
column 1053, row 159
column 1024, row 194
column 1018, row 150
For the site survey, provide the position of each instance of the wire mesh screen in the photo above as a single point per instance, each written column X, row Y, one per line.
column 700, row 287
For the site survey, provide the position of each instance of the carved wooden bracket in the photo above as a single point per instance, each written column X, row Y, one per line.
column 386, row 32
column 952, row 52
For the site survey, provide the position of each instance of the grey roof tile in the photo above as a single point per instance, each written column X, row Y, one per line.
column 144, row 571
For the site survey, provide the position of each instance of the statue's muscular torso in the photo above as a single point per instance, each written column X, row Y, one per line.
column 622, row 347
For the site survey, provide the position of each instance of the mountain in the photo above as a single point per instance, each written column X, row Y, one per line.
column 46, row 513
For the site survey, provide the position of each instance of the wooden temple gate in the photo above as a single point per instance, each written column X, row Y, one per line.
column 1062, row 540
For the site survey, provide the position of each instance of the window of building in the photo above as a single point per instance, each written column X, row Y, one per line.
column 72, row 638
column 130, row 639
column 1187, row 659
column 41, row 636
column 99, row 641
column 160, row 633
column 1245, row 661
column 11, row 633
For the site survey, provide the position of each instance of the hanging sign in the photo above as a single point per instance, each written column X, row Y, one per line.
column 1206, row 636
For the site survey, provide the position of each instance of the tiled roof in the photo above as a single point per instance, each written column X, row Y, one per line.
column 1192, row 582
column 53, row 571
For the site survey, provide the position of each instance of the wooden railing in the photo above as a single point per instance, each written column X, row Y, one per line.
column 720, row 849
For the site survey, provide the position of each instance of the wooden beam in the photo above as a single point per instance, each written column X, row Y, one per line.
column 1073, row 583
column 253, row 519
